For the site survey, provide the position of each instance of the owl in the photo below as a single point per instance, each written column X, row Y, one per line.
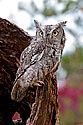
column 41, row 57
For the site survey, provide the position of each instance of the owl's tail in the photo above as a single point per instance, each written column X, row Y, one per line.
column 18, row 92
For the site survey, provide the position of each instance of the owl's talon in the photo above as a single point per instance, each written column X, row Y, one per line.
column 41, row 82
column 38, row 83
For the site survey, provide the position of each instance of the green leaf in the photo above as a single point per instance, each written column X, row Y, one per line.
column 48, row 12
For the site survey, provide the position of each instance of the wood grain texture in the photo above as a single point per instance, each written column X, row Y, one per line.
column 45, row 108
column 13, row 40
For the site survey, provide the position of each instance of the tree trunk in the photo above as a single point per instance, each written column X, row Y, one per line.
column 45, row 109
column 13, row 40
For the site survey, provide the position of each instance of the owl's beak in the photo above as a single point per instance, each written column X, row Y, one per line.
column 48, row 39
column 47, row 34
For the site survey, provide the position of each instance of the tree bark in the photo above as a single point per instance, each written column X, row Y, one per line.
column 45, row 109
column 12, row 42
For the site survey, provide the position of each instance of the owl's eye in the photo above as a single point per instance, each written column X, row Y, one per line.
column 41, row 33
column 55, row 32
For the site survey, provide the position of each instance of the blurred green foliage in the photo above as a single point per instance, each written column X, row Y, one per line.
column 73, row 62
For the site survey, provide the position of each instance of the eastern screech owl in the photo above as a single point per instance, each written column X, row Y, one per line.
column 41, row 57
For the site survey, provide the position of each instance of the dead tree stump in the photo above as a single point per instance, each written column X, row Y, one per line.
column 45, row 109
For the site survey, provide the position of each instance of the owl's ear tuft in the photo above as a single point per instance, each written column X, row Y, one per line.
column 37, row 24
column 62, row 24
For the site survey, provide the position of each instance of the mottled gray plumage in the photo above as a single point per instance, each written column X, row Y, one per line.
column 41, row 57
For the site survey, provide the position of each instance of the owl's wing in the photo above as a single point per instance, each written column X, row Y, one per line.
column 24, row 62
column 19, row 91
column 29, row 57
